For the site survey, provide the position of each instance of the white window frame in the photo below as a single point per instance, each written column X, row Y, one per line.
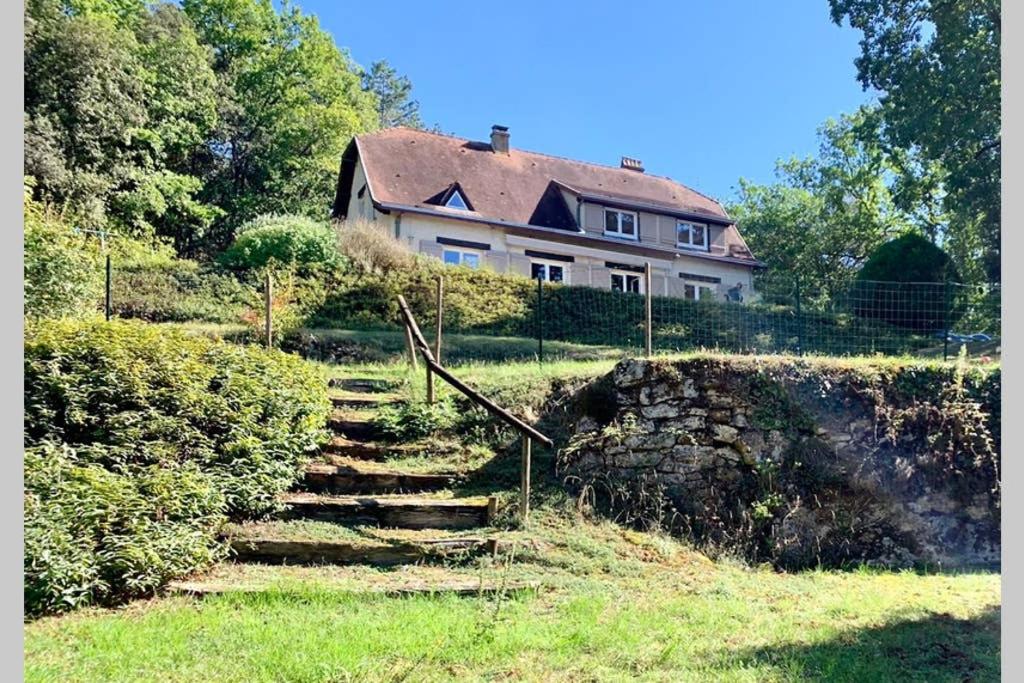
column 618, row 233
column 690, row 245
column 625, row 274
column 547, row 263
column 462, row 256
column 456, row 193
column 697, row 286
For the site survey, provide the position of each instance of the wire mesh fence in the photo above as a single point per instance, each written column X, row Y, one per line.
column 866, row 318
column 926, row 319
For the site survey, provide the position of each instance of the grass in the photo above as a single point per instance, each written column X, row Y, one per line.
column 620, row 605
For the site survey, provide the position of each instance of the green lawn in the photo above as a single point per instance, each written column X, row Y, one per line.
column 618, row 605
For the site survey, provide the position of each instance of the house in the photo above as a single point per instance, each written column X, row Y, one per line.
column 486, row 204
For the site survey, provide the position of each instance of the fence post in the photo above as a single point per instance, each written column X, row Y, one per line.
column 268, row 303
column 107, row 305
column 945, row 318
column 648, row 332
column 524, row 485
column 799, row 320
column 411, row 348
column 540, row 320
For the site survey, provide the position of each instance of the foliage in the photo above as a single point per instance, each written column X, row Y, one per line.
column 63, row 270
column 289, row 100
column 186, row 121
column 937, row 67
column 117, row 98
column 824, row 215
column 131, row 394
column 139, row 439
column 922, row 307
column 283, row 242
column 95, row 535
column 411, row 420
column 395, row 106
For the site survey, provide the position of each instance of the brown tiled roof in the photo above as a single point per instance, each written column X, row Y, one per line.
column 415, row 168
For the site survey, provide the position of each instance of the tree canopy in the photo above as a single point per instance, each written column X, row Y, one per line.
column 937, row 67
column 183, row 121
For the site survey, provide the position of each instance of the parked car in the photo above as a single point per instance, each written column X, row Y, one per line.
column 980, row 337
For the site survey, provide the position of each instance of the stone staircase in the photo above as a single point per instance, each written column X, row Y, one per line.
column 383, row 516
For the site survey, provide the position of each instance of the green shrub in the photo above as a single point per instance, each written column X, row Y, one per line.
column 921, row 301
column 411, row 420
column 63, row 268
column 283, row 242
column 96, row 536
column 140, row 438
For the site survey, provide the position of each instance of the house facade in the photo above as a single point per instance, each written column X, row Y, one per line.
column 485, row 204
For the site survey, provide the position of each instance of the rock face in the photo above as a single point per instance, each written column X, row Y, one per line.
column 796, row 463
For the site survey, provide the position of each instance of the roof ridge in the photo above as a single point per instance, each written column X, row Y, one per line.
column 555, row 156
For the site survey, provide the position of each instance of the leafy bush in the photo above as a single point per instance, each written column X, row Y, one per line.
column 283, row 242
column 63, row 270
column 411, row 420
column 141, row 437
column 96, row 536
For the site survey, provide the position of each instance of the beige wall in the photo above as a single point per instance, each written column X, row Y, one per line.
column 360, row 208
column 507, row 254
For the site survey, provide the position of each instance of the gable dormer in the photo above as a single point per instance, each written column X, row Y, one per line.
column 455, row 198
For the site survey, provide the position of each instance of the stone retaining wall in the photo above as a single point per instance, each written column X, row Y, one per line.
column 793, row 463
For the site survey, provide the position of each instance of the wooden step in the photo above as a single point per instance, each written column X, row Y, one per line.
column 280, row 551
column 359, row 450
column 409, row 512
column 362, row 385
column 355, row 427
column 361, row 400
column 348, row 478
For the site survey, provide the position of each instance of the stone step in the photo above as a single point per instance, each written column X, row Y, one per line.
column 350, row 478
column 361, row 400
column 409, row 512
column 308, row 551
column 363, row 385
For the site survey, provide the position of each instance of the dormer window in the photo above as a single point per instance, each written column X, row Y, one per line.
column 457, row 201
column 620, row 224
column 691, row 235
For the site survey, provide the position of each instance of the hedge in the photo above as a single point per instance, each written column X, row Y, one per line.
column 140, row 441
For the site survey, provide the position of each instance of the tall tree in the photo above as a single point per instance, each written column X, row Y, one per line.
column 937, row 66
column 118, row 97
column 289, row 102
column 825, row 215
column 395, row 106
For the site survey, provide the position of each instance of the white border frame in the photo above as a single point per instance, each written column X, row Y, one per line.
column 690, row 246
column 635, row 237
column 547, row 263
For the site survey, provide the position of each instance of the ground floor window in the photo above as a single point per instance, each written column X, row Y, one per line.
column 696, row 291
column 627, row 282
column 547, row 271
column 460, row 257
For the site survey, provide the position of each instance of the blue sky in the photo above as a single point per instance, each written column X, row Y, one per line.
column 702, row 92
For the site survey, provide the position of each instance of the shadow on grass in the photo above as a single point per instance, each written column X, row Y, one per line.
column 938, row 647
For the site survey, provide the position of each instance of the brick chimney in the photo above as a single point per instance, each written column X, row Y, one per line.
column 632, row 164
column 499, row 139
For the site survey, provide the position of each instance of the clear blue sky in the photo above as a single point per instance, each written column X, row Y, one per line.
column 703, row 92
